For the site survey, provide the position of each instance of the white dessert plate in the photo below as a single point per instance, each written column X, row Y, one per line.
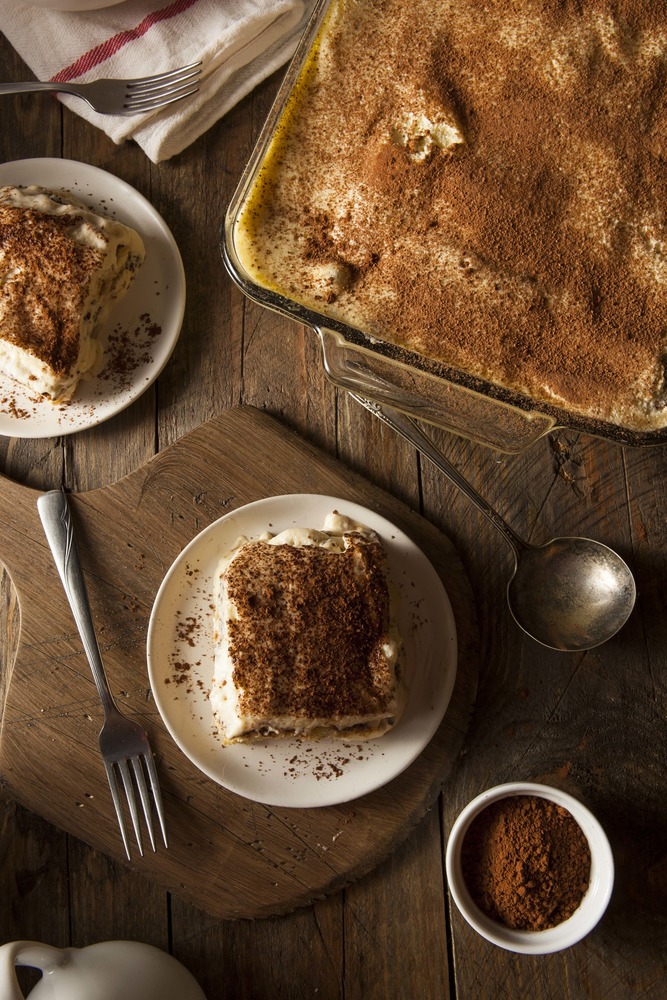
column 285, row 771
column 141, row 332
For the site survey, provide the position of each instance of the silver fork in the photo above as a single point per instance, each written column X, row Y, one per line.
column 123, row 742
column 123, row 97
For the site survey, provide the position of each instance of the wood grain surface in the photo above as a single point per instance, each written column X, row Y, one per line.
column 591, row 723
column 251, row 860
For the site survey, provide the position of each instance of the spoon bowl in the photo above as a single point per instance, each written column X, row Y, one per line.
column 570, row 594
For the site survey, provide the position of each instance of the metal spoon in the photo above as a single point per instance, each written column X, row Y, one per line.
column 569, row 594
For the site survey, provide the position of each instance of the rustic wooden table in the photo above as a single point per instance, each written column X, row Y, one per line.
column 591, row 723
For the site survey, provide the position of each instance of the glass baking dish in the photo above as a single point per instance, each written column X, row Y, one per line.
column 429, row 390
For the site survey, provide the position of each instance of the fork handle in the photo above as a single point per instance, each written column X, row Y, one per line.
column 31, row 86
column 55, row 514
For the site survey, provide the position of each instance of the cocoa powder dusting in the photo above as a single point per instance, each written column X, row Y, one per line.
column 126, row 350
column 45, row 280
column 531, row 250
column 308, row 641
column 526, row 862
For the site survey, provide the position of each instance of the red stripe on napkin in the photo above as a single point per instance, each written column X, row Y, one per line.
column 112, row 45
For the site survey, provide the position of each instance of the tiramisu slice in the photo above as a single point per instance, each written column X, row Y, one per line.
column 306, row 639
column 62, row 269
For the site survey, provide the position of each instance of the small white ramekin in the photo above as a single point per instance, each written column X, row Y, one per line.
column 592, row 906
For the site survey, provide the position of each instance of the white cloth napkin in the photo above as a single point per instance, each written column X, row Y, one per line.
column 240, row 43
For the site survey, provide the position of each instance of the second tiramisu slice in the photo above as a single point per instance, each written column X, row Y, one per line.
column 63, row 268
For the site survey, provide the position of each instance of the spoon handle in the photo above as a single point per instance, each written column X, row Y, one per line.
column 407, row 428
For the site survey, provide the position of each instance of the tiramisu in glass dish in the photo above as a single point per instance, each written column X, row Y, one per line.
column 468, row 204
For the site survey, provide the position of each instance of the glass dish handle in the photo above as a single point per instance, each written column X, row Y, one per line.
column 456, row 408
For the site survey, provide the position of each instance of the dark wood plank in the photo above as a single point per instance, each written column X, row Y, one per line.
column 299, row 955
column 33, row 882
column 395, row 924
column 577, row 721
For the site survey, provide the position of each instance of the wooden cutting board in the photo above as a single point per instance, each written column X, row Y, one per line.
column 227, row 855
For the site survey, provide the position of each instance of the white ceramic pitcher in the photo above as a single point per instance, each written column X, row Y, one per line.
column 111, row 970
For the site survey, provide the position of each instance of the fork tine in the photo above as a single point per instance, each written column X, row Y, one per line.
column 131, row 801
column 150, row 103
column 143, row 793
column 150, row 97
column 152, row 85
column 113, row 785
column 162, row 90
column 149, row 94
column 191, row 69
column 157, row 796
